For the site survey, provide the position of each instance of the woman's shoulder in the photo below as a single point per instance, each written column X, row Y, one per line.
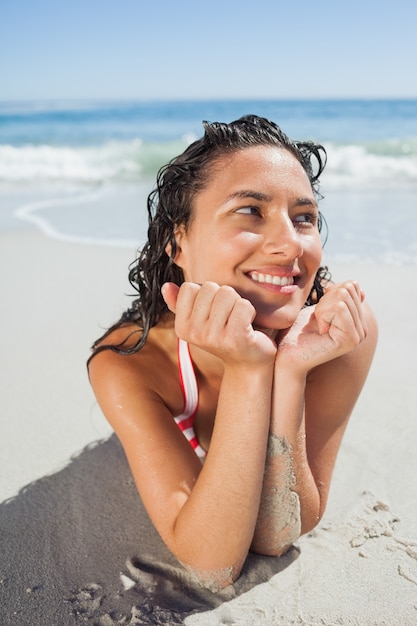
column 116, row 367
column 126, row 343
column 120, row 339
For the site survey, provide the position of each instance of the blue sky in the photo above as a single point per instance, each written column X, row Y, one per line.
column 182, row 49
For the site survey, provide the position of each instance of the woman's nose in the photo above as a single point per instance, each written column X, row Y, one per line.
column 283, row 238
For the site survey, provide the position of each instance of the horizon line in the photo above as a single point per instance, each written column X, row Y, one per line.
column 207, row 99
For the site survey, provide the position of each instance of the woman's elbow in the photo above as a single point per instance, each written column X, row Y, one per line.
column 275, row 550
column 214, row 579
column 271, row 542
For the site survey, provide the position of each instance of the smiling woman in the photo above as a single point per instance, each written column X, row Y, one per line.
column 230, row 380
column 260, row 217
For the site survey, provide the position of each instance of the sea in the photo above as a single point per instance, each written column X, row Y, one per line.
column 80, row 171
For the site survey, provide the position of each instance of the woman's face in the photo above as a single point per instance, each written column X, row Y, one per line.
column 255, row 227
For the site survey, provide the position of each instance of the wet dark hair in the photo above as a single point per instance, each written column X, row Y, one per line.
column 170, row 205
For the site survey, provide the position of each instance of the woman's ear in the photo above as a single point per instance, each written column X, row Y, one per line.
column 178, row 236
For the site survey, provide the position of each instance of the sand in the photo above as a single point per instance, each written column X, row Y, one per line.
column 76, row 546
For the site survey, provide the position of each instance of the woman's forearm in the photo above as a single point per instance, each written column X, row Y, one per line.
column 214, row 528
column 290, row 501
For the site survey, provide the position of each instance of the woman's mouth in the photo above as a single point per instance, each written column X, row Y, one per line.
column 271, row 279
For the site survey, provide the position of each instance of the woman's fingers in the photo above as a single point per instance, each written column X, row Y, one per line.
column 340, row 312
column 170, row 293
column 334, row 327
column 203, row 309
column 216, row 319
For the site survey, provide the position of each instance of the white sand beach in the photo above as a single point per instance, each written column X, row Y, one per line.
column 70, row 519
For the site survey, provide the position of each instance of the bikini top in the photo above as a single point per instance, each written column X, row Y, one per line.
column 189, row 387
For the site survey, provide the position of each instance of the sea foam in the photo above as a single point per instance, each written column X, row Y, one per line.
column 115, row 160
column 352, row 165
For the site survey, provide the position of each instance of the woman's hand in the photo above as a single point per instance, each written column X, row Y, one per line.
column 218, row 320
column 332, row 328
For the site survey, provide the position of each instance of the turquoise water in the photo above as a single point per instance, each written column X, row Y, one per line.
column 81, row 170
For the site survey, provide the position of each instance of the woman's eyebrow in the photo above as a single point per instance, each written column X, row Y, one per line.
column 264, row 197
column 306, row 202
column 249, row 193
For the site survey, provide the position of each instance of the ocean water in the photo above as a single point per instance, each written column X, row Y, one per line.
column 81, row 171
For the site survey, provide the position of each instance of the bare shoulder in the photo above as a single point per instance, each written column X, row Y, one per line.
column 138, row 378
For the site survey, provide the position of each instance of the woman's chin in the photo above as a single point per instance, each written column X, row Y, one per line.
column 272, row 323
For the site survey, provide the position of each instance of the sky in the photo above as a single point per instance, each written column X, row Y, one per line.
column 198, row 49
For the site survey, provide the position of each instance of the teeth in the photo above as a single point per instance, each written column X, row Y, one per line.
column 282, row 281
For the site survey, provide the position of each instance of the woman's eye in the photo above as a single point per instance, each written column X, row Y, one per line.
column 309, row 219
column 248, row 210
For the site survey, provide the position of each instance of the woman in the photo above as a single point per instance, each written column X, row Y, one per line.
column 239, row 352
